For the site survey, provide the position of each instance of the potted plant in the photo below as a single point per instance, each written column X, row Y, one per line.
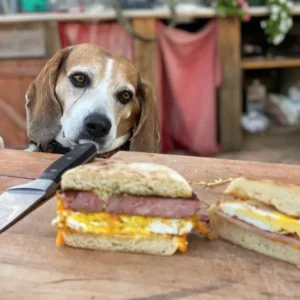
column 279, row 22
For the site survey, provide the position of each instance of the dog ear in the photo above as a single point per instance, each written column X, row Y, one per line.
column 146, row 136
column 42, row 106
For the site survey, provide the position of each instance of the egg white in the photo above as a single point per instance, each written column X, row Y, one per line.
column 260, row 216
column 156, row 226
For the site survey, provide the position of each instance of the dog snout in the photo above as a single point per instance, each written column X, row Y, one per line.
column 97, row 125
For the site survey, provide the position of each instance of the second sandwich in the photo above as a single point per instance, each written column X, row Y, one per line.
column 264, row 217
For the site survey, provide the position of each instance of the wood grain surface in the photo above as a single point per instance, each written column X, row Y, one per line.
column 16, row 163
column 32, row 267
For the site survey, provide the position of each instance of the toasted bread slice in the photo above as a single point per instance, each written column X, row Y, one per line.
column 111, row 177
column 280, row 247
column 155, row 245
column 284, row 197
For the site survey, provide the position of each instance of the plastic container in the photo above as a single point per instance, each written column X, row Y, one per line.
column 256, row 97
column 34, row 5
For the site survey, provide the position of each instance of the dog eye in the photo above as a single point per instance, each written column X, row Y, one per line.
column 80, row 80
column 124, row 97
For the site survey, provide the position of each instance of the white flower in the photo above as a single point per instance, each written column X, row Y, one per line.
column 263, row 24
column 275, row 9
column 289, row 4
column 289, row 23
column 278, row 39
column 283, row 26
column 280, row 18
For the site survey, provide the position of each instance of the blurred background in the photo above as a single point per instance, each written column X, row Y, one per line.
column 226, row 73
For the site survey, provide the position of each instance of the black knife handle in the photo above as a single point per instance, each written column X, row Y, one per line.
column 79, row 154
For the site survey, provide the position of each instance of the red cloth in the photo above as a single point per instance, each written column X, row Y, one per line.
column 188, row 72
column 109, row 35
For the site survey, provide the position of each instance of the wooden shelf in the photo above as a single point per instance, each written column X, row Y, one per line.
column 264, row 63
column 273, row 137
column 261, row 11
column 282, row 130
column 109, row 14
column 105, row 15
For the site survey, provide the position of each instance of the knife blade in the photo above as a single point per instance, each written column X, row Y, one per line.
column 17, row 201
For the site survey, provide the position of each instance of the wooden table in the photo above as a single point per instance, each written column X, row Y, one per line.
column 31, row 267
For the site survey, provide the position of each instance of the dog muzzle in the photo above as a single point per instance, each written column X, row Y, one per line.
column 57, row 148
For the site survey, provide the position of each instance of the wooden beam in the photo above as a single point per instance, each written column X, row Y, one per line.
column 145, row 52
column 265, row 63
column 229, row 38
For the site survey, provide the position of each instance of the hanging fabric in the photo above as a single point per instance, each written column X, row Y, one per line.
column 188, row 73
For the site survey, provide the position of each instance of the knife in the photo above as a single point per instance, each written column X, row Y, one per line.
column 16, row 201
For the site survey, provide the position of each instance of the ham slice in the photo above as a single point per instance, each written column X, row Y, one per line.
column 125, row 204
column 276, row 237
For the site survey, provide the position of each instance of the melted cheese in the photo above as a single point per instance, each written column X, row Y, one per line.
column 106, row 223
column 202, row 228
column 59, row 238
column 261, row 216
column 182, row 243
column 122, row 224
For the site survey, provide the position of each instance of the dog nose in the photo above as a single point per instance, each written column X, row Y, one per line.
column 97, row 125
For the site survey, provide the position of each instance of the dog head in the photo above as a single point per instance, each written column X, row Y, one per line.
column 83, row 94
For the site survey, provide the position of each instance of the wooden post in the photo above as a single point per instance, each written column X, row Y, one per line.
column 145, row 52
column 229, row 37
column 52, row 38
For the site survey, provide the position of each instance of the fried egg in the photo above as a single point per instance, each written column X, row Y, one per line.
column 261, row 216
column 106, row 223
column 126, row 225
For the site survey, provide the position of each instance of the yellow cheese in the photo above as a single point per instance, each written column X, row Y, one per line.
column 122, row 224
column 102, row 223
column 202, row 228
column 182, row 243
column 59, row 238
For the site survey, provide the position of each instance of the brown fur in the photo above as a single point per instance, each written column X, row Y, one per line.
column 42, row 106
column 146, row 137
column 44, row 109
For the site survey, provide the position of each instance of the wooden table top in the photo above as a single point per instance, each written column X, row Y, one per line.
column 32, row 267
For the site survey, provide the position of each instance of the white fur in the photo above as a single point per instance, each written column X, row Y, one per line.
column 1, row 143
column 79, row 103
column 118, row 142
column 31, row 148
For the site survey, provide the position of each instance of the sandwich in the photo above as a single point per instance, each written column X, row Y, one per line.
column 263, row 217
column 131, row 207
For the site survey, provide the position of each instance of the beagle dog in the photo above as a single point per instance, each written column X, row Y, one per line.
column 85, row 94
